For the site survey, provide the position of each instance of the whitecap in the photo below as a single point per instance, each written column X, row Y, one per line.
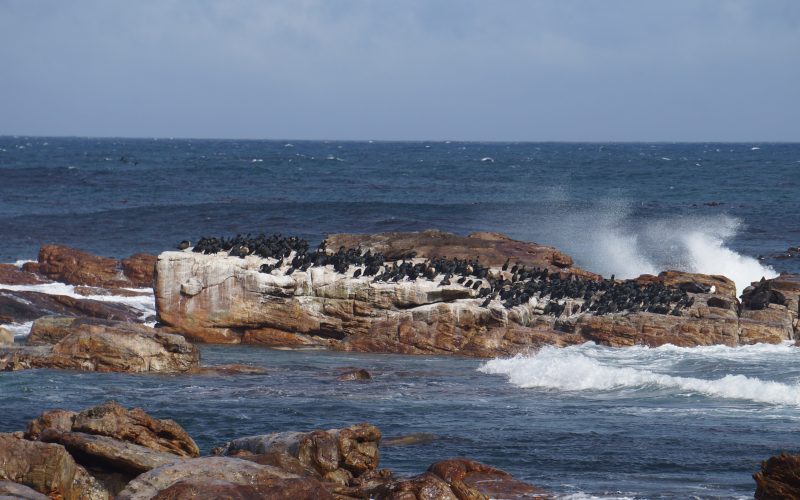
column 580, row 368
column 487, row 159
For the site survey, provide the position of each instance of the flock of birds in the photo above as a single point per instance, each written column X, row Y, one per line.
column 513, row 285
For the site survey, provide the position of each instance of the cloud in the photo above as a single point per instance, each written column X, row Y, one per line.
column 514, row 70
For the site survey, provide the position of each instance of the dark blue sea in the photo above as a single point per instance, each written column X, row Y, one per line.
column 582, row 422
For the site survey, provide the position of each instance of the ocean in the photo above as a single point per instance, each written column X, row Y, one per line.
column 582, row 421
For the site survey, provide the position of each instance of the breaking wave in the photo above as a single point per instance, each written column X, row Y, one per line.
column 606, row 239
column 599, row 369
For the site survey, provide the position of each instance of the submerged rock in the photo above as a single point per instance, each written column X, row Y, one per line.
column 350, row 374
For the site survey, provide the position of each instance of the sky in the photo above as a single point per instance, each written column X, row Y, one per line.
column 547, row 70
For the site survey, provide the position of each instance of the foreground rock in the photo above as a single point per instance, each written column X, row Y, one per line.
column 12, row 275
column 224, row 476
column 46, row 468
column 68, row 265
column 458, row 479
column 6, row 337
column 336, row 455
column 9, row 490
column 225, row 299
column 106, row 347
column 779, row 478
column 108, row 451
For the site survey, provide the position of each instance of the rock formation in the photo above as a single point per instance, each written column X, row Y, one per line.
column 105, row 347
column 218, row 298
column 68, row 265
column 109, row 452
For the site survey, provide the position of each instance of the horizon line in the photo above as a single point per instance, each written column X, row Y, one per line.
column 478, row 141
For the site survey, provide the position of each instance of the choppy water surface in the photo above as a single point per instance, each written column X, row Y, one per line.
column 646, row 423
column 667, row 422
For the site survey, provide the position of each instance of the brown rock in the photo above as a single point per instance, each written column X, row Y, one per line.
column 724, row 286
column 281, row 460
column 354, row 449
column 140, row 269
column 135, row 426
column 56, row 420
column 12, row 275
column 492, row 248
column 112, row 454
column 107, row 347
column 49, row 330
column 275, row 489
column 349, row 374
column 75, row 267
column 124, row 348
column 47, row 468
column 460, row 479
column 9, row 491
column 778, row 478
column 231, row 470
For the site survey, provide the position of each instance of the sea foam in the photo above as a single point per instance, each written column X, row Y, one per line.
column 598, row 369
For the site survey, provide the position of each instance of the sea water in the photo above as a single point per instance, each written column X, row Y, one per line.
column 581, row 421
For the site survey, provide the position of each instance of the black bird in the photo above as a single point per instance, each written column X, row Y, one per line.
column 357, row 273
column 486, row 301
column 505, row 266
column 183, row 245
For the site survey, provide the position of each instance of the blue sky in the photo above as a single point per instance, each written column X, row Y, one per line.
column 611, row 70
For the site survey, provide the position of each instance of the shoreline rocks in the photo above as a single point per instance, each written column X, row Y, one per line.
column 108, row 451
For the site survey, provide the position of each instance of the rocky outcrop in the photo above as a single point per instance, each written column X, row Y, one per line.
column 203, row 471
column 12, row 275
column 46, row 468
column 22, row 306
column 494, row 249
column 336, row 455
column 778, row 478
column 225, row 299
column 108, row 451
column 459, row 479
column 68, row 265
column 107, row 347
column 136, row 426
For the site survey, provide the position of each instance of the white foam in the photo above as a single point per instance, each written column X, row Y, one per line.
column 608, row 241
column 596, row 369
column 19, row 330
column 21, row 262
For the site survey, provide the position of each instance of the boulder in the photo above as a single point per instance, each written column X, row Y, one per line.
column 335, row 453
column 459, row 479
column 68, row 265
column 274, row 489
column 140, row 269
column 349, row 374
column 54, row 420
column 12, row 275
column 6, row 337
column 123, row 347
column 207, row 470
column 778, row 478
column 112, row 454
column 46, row 468
column 9, row 491
column 137, row 427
